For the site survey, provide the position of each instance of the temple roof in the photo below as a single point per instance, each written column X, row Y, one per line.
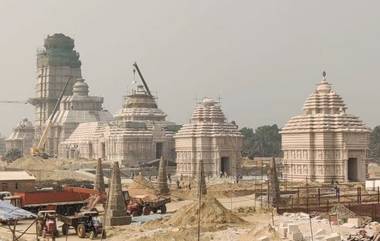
column 208, row 120
column 324, row 110
column 139, row 106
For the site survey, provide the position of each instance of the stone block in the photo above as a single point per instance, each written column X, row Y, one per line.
column 320, row 232
column 293, row 228
column 283, row 231
column 356, row 222
column 333, row 237
column 264, row 238
column 296, row 236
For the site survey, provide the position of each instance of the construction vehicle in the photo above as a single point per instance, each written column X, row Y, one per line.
column 66, row 201
column 84, row 224
column 145, row 204
column 39, row 150
column 47, row 224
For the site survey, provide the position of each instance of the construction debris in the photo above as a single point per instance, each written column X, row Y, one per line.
column 211, row 212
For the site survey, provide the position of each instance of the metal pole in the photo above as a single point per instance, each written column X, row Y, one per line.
column 311, row 229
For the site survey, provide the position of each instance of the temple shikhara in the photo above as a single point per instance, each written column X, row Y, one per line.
column 208, row 138
column 325, row 143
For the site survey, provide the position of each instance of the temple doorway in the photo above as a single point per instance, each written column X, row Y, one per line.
column 352, row 169
column 225, row 165
column 159, row 147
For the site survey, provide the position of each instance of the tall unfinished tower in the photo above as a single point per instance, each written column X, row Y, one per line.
column 56, row 63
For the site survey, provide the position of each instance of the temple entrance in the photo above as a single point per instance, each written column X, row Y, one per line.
column 352, row 169
column 159, row 148
column 225, row 165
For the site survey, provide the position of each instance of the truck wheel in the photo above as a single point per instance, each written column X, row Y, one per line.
column 65, row 229
column 81, row 231
column 163, row 209
column 146, row 210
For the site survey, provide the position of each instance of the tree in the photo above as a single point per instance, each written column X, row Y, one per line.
column 12, row 155
column 265, row 141
column 374, row 143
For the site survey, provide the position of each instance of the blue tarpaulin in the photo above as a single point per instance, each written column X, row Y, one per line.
column 8, row 212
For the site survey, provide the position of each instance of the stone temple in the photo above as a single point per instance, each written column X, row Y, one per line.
column 325, row 143
column 21, row 138
column 210, row 138
column 139, row 133
column 75, row 109
column 56, row 63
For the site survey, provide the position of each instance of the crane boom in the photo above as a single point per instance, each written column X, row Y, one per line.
column 13, row 102
column 39, row 149
column 142, row 78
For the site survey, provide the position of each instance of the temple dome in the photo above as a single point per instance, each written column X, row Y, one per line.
column 80, row 88
column 324, row 110
column 208, row 120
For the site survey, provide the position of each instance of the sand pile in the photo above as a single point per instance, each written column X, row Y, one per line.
column 141, row 186
column 212, row 212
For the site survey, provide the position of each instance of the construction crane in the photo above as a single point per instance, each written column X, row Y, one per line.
column 13, row 102
column 142, row 79
column 39, row 150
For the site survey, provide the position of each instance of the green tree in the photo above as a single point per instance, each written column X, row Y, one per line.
column 265, row 141
column 374, row 143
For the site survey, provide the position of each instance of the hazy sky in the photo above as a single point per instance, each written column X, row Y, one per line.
column 263, row 58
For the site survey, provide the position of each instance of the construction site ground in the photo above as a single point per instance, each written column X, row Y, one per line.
column 229, row 212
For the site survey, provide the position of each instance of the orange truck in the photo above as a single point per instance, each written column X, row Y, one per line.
column 65, row 202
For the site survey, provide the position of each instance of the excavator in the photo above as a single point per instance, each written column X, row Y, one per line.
column 39, row 150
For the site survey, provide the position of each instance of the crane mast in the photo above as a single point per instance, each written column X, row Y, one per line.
column 39, row 149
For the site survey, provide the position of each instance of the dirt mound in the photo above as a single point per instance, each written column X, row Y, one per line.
column 212, row 212
column 342, row 212
column 35, row 163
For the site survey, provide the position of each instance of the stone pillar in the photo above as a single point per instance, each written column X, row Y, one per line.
column 201, row 179
column 116, row 210
column 99, row 181
column 162, row 178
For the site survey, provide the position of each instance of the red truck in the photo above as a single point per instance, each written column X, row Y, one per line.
column 65, row 202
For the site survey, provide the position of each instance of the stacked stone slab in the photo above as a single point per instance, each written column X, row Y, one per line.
column 210, row 138
column 162, row 178
column 116, row 210
column 325, row 143
column 21, row 138
column 99, row 181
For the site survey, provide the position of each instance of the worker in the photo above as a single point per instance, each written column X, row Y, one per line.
column 178, row 184
column 169, row 178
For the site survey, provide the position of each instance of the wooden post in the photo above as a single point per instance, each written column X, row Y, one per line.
column 378, row 194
